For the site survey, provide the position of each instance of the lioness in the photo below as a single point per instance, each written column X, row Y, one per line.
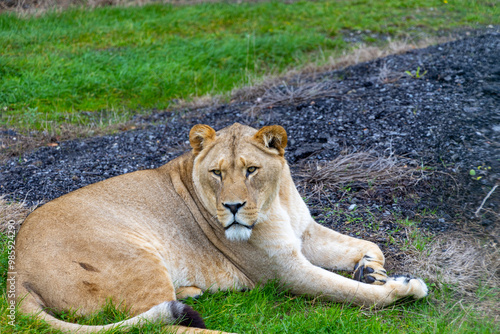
column 225, row 215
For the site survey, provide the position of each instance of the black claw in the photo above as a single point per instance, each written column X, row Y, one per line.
column 358, row 274
column 369, row 270
column 370, row 279
column 356, row 266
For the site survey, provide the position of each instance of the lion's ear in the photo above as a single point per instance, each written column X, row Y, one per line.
column 274, row 137
column 199, row 136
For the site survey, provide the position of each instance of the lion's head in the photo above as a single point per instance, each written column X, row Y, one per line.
column 237, row 173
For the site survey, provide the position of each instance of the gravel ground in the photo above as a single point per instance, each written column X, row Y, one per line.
column 446, row 119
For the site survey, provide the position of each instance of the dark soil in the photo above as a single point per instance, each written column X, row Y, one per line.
column 447, row 121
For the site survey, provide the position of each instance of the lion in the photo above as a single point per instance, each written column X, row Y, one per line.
column 225, row 215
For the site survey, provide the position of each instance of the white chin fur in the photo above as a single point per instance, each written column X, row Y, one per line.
column 238, row 233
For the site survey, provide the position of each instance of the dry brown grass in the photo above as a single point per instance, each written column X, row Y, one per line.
column 464, row 263
column 290, row 94
column 362, row 52
column 12, row 213
column 363, row 170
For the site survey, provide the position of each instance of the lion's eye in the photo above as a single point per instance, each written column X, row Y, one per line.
column 216, row 172
column 250, row 170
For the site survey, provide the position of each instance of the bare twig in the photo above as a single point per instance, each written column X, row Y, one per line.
column 484, row 200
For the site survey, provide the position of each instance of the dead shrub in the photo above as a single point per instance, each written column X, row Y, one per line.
column 363, row 170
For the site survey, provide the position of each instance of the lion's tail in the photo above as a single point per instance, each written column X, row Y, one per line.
column 169, row 312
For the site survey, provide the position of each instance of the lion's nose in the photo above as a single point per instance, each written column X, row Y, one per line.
column 234, row 207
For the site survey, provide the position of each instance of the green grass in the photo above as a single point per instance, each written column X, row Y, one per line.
column 77, row 65
column 270, row 309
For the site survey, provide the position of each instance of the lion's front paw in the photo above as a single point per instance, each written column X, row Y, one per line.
column 371, row 272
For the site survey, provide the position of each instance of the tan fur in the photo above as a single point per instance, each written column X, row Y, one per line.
column 143, row 238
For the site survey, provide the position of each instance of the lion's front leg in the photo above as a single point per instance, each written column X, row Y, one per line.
column 302, row 277
column 332, row 250
column 297, row 264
